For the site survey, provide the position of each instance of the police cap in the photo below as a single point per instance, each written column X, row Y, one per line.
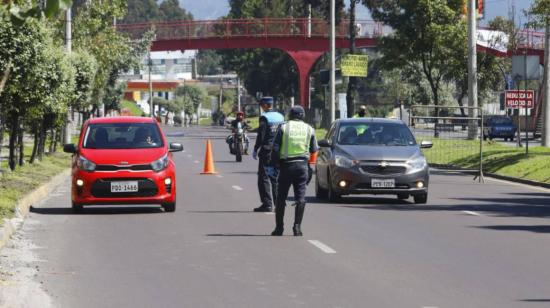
column 266, row 100
column 296, row 112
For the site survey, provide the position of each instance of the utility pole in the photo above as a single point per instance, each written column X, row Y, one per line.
column 472, row 68
column 546, row 89
column 238, row 94
column 68, row 49
column 332, row 106
column 309, row 20
column 151, row 106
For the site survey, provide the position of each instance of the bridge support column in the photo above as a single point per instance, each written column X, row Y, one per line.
column 305, row 60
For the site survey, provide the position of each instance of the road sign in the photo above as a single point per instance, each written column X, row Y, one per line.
column 515, row 99
column 354, row 65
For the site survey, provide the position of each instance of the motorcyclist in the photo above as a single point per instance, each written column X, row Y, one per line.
column 234, row 127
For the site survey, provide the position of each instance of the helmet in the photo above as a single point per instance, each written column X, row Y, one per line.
column 266, row 100
column 296, row 113
column 362, row 107
column 240, row 113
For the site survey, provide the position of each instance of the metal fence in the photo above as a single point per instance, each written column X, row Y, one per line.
column 456, row 135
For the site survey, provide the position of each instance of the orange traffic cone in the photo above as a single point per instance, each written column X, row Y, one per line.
column 208, row 160
column 312, row 158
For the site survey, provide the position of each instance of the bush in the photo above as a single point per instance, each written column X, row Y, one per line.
column 178, row 120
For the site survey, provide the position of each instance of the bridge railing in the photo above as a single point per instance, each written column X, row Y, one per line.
column 250, row 28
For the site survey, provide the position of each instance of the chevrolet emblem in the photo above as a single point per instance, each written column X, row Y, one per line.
column 383, row 164
column 124, row 163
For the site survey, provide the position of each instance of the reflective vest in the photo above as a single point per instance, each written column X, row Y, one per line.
column 274, row 119
column 296, row 138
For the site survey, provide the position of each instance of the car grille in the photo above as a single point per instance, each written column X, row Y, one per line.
column 126, row 167
column 388, row 170
column 102, row 188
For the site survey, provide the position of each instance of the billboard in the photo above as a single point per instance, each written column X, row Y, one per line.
column 354, row 65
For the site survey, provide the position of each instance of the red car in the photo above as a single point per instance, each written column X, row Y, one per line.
column 123, row 160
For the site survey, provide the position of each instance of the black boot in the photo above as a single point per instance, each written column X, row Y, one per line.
column 263, row 208
column 279, row 220
column 296, row 230
column 298, row 216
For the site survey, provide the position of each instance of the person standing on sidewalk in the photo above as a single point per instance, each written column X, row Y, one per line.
column 294, row 143
column 267, row 174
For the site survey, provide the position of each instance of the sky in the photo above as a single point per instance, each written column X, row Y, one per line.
column 212, row 9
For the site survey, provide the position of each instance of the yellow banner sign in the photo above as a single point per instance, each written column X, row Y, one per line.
column 354, row 65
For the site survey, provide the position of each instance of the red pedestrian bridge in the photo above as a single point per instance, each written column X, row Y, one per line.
column 304, row 40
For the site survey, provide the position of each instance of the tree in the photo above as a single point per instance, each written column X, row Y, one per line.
column 431, row 33
column 170, row 10
column 208, row 62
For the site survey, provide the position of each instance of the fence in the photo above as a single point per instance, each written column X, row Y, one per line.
column 455, row 134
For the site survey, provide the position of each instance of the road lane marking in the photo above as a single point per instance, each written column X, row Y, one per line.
column 235, row 187
column 322, row 246
column 269, row 213
column 219, row 176
column 196, row 161
column 471, row 213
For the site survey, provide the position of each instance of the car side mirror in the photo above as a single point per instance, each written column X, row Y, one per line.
column 426, row 144
column 176, row 147
column 69, row 148
column 324, row 143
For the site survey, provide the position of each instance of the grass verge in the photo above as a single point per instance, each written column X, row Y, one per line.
column 14, row 185
column 132, row 107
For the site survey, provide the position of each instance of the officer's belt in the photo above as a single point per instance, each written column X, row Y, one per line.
column 294, row 160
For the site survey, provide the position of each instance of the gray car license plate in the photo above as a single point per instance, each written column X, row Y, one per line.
column 382, row 183
column 126, row 186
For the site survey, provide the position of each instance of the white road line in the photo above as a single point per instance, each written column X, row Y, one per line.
column 219, row 176
column 322, row 246
column 196, row 161
column 269, row 213
column 471, row 213
column 235, row 187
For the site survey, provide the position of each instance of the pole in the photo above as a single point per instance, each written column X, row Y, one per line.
column 68, row 49
column 238, row 94
column 332, row 106
column 472, row 68
column 151, row 107
column 526, row 107
column 546, row 90
column 309, row 20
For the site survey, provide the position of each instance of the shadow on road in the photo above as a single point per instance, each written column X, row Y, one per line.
column 219, row 212
column 533, row 228
column 237, row 235
column 536, row 300
column 96, row 211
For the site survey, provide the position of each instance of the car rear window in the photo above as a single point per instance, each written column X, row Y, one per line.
column 390, row 134
column 122, row 136
column 498, row 121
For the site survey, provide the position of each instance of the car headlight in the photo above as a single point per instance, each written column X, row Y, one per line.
column 418, row 163
column 85, row 164
column 342, row 161
column 160, row 164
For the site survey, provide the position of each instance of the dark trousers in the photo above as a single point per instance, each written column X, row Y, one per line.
column 295, row 174
column 267, row 186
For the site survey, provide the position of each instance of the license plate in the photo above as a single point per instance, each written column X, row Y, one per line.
column 128, row 186
column 382, row 183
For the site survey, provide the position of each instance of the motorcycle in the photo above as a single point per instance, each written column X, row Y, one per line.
column 237, row 143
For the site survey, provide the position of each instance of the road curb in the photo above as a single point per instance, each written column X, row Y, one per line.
column 517, row 180
column 23, row 205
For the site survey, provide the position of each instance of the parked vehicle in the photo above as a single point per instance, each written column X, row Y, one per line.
column 499, row 127
column 371, row 156
column 123, row 160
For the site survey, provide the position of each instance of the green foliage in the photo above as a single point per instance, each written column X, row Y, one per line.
column 429, row 37
column 540, row 13
column 208, row 62
column 86, row 67
column 132, row 107
column 190, row 97
column 150, row 10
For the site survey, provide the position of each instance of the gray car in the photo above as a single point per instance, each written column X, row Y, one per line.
column 371, row 156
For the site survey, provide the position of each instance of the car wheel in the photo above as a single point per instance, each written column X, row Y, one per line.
column 169, row 207
column 77, row 208
column 421, row 198
column 332, row 195
column 319, row 191
column 402, row 196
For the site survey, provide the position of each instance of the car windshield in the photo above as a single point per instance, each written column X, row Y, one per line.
column 501, row 121
column 122, row 136
column 387, row 134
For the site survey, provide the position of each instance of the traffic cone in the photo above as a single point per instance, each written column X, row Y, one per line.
column 208, row 160
column 312, row 158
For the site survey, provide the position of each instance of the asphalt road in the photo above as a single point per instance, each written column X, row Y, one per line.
column 472, row 245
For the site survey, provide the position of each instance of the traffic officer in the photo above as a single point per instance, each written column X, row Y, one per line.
column 267, row 174
column 293, row 144
column 362, row 112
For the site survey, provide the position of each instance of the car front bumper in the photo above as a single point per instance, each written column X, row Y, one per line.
column 359, row 182
column 96, row 189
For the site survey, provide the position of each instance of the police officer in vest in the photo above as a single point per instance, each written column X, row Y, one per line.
column 294, row 142
column 267, row 174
